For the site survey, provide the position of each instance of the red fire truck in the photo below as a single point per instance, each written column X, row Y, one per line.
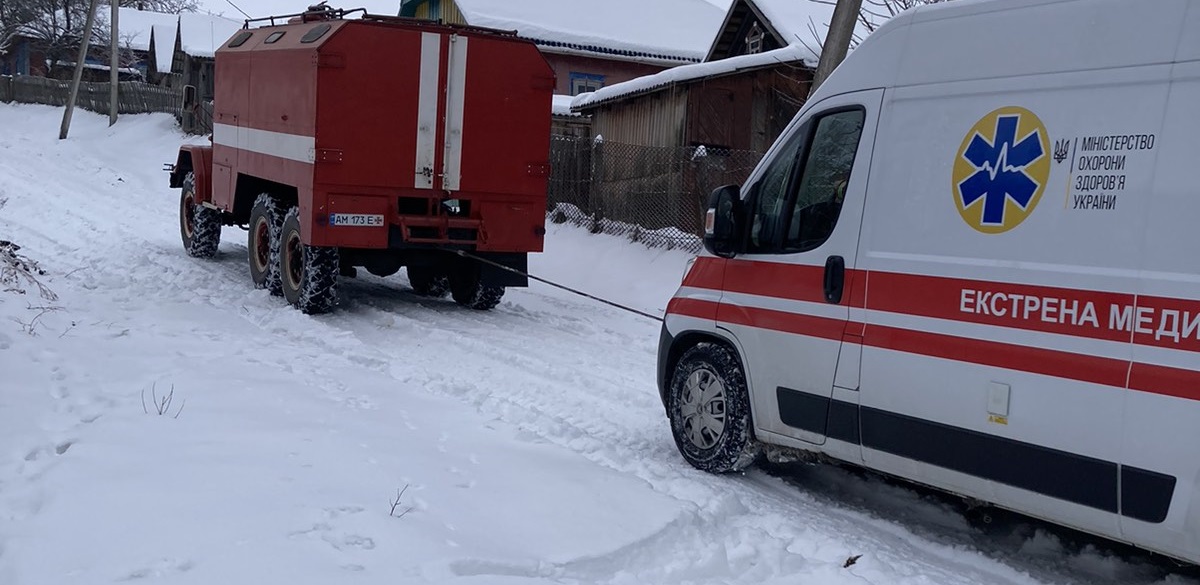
column 376, row 142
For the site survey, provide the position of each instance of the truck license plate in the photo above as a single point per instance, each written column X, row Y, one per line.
column 355, row 219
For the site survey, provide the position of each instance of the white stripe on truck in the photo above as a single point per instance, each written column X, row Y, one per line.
column 290, row 146
column 455, row 100
column 427, row 106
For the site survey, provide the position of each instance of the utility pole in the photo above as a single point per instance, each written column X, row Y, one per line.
column 113, row 66
column 837, row 41
column 83, row 47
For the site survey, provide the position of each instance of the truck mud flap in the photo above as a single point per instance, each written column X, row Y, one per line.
column 490, row 275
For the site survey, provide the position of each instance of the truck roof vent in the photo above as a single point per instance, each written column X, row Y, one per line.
column 315, row 33
column 241, row 38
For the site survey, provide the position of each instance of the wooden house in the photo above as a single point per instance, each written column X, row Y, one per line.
column 756, row 75
column 22, row 57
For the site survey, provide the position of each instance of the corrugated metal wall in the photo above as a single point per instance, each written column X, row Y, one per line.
column 444, row 10
column 653, row 120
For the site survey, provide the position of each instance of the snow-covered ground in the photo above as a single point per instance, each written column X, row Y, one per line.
column 528, row 441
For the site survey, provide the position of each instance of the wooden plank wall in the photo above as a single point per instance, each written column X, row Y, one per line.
column 133, row 97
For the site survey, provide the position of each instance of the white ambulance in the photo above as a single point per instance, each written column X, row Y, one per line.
column 971, row 261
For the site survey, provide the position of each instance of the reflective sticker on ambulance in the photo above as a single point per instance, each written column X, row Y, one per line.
column 1001, row 170
column 355, row 220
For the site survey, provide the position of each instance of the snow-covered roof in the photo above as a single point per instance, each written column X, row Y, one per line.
column 136, row 26
column 669, row 31
column 561, row 106
column 164, row 46
column 798, row 21
column 684, row 73
column 802, row 23
column 202, row 34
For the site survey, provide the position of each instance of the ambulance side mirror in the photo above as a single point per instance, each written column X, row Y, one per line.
column 723, row 221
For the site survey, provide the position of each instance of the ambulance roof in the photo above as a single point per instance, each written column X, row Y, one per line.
column 991, row 39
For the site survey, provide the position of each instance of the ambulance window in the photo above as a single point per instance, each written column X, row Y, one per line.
column 823, row 180
column 275, row 36
column 769, row 194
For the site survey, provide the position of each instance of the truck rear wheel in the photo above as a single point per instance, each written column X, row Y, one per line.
column 468, row 292
column 266, row 227
column 199, row 226
column 308, row 274
column 428, row 281
column 709, row 409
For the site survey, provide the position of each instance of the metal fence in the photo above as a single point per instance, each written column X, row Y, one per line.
column 197, row 118
column 653, row 195
column 134, row 97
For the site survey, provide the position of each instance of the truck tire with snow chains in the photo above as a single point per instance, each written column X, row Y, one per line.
column 266, row 227
column 468, row 292
column 428, row 282
column 199, row 226
column 709, row 409
column 308, row 274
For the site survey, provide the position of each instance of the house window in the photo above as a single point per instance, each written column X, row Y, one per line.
column 585, row 82
column 754, row 40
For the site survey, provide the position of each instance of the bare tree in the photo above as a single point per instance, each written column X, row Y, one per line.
column 876, row 12
column 164, row 6
column 871, row 15
column 103, row 48
column 14, row 15
column 55, row 26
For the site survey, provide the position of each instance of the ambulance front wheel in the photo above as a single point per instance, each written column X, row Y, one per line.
column 709, row 409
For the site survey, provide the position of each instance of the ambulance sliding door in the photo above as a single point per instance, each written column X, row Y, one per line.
column 1159, row 469
column 1004, row 255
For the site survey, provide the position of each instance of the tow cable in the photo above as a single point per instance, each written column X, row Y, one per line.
column 466, row 254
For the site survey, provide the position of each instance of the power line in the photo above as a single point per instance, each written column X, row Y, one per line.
column 235, row 6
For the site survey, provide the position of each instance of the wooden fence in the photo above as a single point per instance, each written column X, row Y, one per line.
column 134, row 97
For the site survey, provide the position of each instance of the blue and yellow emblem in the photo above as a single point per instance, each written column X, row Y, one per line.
column 1001, row 170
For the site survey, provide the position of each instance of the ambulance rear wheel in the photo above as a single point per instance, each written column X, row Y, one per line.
column 308, row 274
column 266, row 227
column 428, row 281
column 199, row 226
column 709, row 409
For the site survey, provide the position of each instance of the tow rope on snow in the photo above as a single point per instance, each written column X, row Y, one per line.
column 466, row 254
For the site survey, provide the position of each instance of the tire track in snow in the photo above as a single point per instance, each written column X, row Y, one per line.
column 734, row 523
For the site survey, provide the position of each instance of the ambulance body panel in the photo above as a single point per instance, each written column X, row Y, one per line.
column 1006, row 302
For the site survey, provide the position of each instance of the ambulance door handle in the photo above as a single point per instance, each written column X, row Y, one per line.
column 835, row 279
